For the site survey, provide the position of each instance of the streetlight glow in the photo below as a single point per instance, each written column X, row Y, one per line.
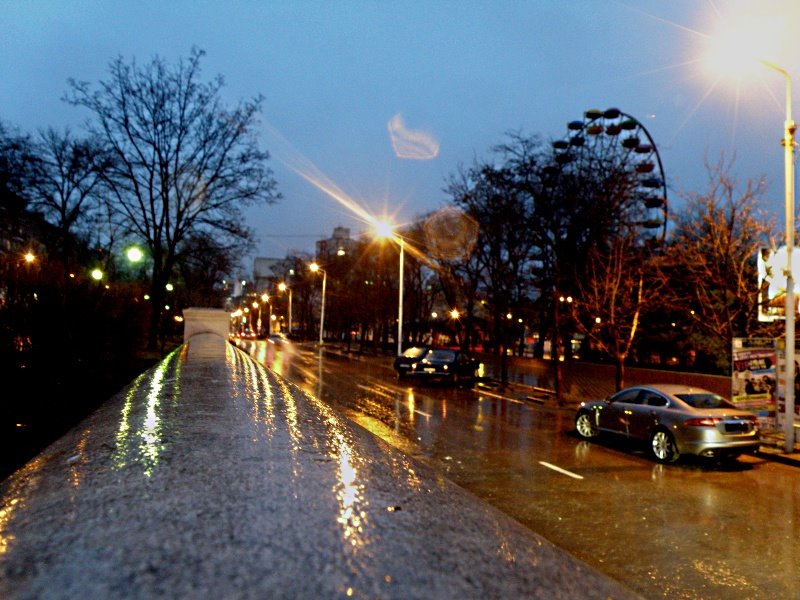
column 385, row 229
column 739, row 45
column 134, row 254
column 314, row 267
column 283, row 287
column 736, row 46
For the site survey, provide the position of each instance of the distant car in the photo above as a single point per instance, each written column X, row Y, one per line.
column 436, row 364
column 404, row 363
column 673, row 420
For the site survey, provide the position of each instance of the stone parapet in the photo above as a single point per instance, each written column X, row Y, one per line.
column 206, row 320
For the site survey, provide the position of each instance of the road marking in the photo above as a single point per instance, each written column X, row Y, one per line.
column 499, row 396
column 379, row 392
column 560, row 470
column 374, row 390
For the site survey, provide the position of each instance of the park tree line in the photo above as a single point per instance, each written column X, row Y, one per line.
column 566, row 258
column 162, row 164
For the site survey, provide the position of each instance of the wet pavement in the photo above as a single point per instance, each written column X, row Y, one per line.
column 212, row 477
column 533, row 380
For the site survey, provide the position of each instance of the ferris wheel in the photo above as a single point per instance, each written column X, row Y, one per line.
column 614, row 147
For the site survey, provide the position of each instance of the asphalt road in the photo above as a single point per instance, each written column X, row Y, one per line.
column 690, row 530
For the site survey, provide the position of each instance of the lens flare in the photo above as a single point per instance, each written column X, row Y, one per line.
column 411, row 144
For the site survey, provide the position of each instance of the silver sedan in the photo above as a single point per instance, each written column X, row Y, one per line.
column 673, row 420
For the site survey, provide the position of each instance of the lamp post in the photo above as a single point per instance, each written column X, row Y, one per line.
column 788, row 161
column 258, row 322
column 315, row 267
column 400, row 301
column 384, row 229
column 265, row 298
column 283, row 287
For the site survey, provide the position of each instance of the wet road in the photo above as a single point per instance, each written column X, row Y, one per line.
column 679, row 531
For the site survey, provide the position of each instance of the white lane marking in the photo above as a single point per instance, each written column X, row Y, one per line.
column 560, row 470
column 499, row 396
column 374, row 390
column 385, row 395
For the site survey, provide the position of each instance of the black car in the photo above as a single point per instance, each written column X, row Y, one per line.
column 436, row 364
column 404, row 363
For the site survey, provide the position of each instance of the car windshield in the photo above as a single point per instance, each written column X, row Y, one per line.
column 441, row 355
column 413, row 352
column 705, row 400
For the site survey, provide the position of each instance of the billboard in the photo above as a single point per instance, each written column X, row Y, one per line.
column 754, row 385
column 772, row 282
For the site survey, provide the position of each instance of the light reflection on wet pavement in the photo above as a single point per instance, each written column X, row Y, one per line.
column 215, row 478
column 691, row 530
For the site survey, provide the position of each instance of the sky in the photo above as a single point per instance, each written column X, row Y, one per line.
column 375, row 104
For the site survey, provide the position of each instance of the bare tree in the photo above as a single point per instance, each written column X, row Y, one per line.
column 497, row 199
column 711, row 261
column 66, row 185
column 183, row 164
column 617, row 288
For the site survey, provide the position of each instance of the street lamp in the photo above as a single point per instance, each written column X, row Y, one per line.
column 283, row 287
column 265, row 298
column 731, row 49
column 384, row 229
column 314, row 268
column 788, row 161
column 258, row 322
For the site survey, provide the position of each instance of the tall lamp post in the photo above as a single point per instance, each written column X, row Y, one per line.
column 384, row 229
column 730, row 50
column 265, row 298
column 257, row 305
column 788, row 161
column 283, row 287
column 314, row 268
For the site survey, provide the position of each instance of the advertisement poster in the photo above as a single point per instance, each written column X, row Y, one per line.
column 754, row 385
column 781, row 403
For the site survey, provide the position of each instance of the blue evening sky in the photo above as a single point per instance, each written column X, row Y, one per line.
column 443, row 80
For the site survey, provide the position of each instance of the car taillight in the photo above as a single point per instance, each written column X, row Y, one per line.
column 703, row 422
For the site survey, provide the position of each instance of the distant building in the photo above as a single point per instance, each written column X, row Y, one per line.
column 340, row 243
column 265, row 271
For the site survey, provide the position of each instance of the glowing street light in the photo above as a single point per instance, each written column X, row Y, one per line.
column 732, row 46
column 314, row 268
column 384, row 229
column 788, row 161
column 283, row 287
column 134, row 254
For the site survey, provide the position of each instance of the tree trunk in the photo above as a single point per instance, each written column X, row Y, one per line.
column 619, row 375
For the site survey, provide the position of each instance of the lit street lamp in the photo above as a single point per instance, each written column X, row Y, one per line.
column 384, row 230
column 788, row 161
column 314, row 268
column 735, row 49
column 283, row 287
column 265, row 298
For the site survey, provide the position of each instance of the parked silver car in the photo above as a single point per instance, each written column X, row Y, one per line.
column 673, row 420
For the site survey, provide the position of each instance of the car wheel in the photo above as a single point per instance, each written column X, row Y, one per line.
column 585, row 426
column 663, row 447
